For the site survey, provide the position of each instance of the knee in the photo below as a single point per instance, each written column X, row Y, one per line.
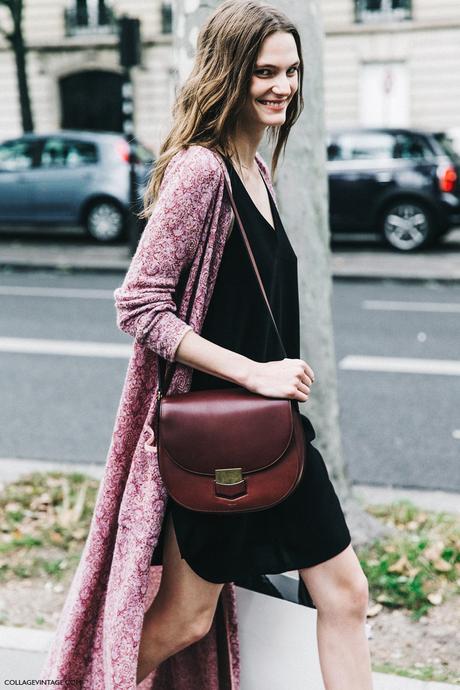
column 348, row 600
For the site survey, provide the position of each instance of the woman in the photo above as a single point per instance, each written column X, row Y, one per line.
column 237, row 346
column 124, row 621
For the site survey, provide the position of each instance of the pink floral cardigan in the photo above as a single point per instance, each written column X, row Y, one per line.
column 98, row 634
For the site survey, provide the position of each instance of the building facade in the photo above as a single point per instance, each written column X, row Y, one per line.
column 74, row 75
column 392, row 63
column 386, row 62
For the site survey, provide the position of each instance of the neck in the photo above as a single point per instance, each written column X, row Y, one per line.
column 244, row 144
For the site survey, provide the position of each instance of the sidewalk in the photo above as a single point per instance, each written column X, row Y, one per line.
column 347, row 261
column 23, row 652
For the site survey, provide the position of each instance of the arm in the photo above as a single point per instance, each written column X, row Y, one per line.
column 202, row 354
column 285, row 378
column 145, row 305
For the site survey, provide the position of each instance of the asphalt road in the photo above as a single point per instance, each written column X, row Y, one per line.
column 399, row 418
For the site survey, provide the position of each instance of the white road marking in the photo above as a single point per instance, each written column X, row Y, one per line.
column 405, row 365
column 72, row 348
column 389, row 305
column 72, row 293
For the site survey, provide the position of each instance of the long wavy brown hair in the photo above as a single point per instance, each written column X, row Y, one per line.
column 207, row 106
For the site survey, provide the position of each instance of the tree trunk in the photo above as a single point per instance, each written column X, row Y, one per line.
column 302, row 190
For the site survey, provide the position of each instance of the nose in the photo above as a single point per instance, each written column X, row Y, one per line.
column 281, row 86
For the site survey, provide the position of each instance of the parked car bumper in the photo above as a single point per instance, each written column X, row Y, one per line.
column 450, row 207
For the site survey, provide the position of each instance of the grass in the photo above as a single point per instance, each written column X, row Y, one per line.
column 45, row 518
column 44, row 521
column 427, row 673
column 418, row 568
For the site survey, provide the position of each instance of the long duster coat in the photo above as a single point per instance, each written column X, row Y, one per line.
column 98, row 633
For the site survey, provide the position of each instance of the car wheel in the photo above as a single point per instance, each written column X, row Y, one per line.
column 105, row 221
column 408, row 226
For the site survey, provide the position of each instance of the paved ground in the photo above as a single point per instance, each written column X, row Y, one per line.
column 23, row 651
column 63, row 362
column 349, row 259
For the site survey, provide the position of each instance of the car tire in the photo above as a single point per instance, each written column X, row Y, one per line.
column 407, row 225
column 105, row 221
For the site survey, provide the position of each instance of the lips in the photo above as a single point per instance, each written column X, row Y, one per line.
column 272, row 102
column 273, row 105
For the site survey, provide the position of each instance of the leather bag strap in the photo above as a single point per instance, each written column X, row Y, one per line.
column 163, row 385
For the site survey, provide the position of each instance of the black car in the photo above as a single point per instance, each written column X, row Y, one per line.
column 401, row 183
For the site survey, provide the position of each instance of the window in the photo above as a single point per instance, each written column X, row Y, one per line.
column 382, row 10
column 17, row 155
column 59, row 153
column 166, row 18
column 378, row 145
column 90, row 16
column 412, row 147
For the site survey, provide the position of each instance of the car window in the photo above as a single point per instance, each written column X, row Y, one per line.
column 17, row 155
column 378, row 145
column 412, row 147
column 357, row 146
column 58, row 152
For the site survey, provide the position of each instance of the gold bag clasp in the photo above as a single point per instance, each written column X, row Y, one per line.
column 231, row 475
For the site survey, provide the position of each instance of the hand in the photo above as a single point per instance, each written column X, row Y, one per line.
column 285, row 378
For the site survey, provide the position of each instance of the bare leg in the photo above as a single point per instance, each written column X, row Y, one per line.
column 181, row 613
column 339, row 591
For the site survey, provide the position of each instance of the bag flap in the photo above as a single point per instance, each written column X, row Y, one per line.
column 202, row 431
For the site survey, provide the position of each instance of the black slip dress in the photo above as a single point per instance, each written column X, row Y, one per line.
column 308, row 527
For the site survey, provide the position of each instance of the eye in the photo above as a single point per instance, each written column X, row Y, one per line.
column 291, row 69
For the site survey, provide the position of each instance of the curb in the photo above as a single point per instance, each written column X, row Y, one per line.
column 436, row 500
column 70, row 266
column 25, row 639
column 121, row 266
column 358, row 264
column 363, row 277
column 31, row 641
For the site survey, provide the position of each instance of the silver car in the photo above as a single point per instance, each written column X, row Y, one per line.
column 71, row 177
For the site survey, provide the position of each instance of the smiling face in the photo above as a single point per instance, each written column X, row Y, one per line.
column 273, row 83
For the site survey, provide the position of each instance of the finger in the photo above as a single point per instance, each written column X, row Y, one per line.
column 303, row 388
column 308, row 370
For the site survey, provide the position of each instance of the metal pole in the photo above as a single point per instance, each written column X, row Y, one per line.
column 132, row 221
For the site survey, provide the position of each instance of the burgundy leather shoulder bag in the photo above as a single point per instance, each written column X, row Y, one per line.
column 229, row 450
